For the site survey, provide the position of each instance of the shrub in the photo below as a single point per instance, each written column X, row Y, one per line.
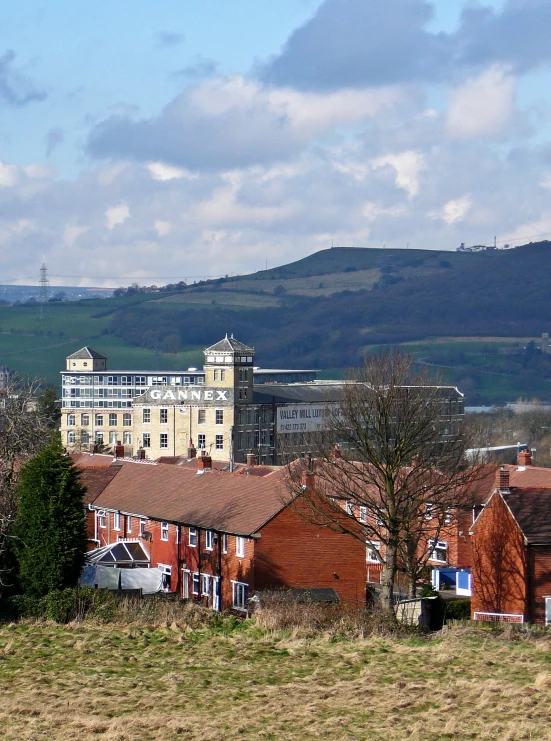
column 459, row 609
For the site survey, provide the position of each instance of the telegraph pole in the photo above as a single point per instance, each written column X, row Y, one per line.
column 43, row 283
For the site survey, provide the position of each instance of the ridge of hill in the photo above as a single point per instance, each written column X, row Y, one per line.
column 476, row 316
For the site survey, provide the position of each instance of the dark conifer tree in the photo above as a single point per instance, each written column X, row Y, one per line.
column 50, row 526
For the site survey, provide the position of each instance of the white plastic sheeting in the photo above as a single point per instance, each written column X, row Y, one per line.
column 148, row 580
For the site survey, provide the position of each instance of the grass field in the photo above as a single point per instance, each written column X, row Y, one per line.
column 85, row 681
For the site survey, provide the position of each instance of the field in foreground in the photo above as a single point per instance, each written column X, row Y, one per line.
column 85, row 682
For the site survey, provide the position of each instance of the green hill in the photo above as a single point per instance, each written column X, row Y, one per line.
column 473, row 315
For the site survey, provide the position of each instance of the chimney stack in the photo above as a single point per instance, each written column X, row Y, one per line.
column 204, row 462
column 119, row 450
column 524, row 458
column 308, row 480
column 191, row 451
column 140, row 454
column 335, row 453
column 251, row 459
column 504, row 480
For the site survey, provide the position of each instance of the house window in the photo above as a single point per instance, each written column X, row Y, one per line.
column 117, row 521
column 224, row 543
column 141, row 381
column 219, row 442
column 192, row 537
column 201, row 416
column 84, row 437
column 438, row 551
column 349, row 510
column 363, row 514
column 219, row 417
column 163, row 416
column 201, row 441
column 222, row 375
column 163, row 440
column 205, row 585
column 102, row 518
column 239, row 595
column 113, row 438
column 164, row 530
column 216, row 375
column 239, row 441
column 127, row 438
column 239, row 546
column 177, row 534
column 167, row 573
column 112, row 420
column 142, row 526
column 372, row 548
column 146, row 416
column 127, row 420
column 99, row 420
column 99, row 437
column 448, row 515
column 84, row 420
column 208, row 540
column 71, row 420
column 195, row 584
column 428, row 511
column 146, row 443
column 129, row 524
column 71, row 437
column 548, row 610
column 112, row 380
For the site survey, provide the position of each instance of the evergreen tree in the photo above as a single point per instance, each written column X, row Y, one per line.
column 50, row 525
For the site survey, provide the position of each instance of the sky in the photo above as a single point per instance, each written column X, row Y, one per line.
column 155, row 142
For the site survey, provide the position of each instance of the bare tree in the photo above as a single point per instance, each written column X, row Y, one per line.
column 25, row 426
column 399, row 471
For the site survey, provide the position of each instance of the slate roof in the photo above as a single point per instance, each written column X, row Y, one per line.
column 85, row 353
column 229, row 344
column 531, row 508
column 298, row 392
column 95, row 480
column 213, row 500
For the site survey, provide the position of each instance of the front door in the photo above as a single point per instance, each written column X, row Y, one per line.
column 548, row 610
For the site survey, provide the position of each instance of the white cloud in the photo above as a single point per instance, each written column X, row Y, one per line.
column 9, row 175
column 72, row 232
column 162, row 227
column 116, row 215
column 454, row 210
column 408, row 166
column 482, row 105
column 162, row 171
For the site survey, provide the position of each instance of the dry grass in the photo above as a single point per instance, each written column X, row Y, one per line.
column 121, row 683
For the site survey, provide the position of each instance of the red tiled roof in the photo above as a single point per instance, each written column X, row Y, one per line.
column 531, row 508
column 95, row 480
column 87, row 460
column 519, row 476
column 213, row 500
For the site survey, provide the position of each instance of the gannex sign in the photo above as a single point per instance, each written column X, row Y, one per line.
column 200, row 394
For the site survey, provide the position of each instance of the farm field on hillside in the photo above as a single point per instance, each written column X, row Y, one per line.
column 86, row 681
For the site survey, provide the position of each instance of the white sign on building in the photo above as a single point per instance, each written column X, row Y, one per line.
column 303, row 417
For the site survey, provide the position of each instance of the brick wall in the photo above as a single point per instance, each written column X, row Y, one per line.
column 540, row 581
column 499, row 564
column 291, row 552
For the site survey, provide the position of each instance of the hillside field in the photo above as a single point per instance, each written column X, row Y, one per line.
column 475, row 318
column 85, row 681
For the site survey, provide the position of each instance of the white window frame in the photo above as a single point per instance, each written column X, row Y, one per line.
column 209, row 540
column 127, row 438
column 192, row 537
column 219, row 442
column 239, row 595
column 205, row 585
column 362, row 517
column 146, row 416
column 71, row 437
column 429, row 510
column 116, row 520
column 164, row 531
column 102, row 519
column 239, row 546
column 163, row 441
column 128, row 523
column 224, row 543
column 219, row 417
column 113, row 421
column 195, row 584
column 434, row 547
column 201, row 441
column 127, row 419
column 71, row 420
column 163, row 416
column 201, row 416
column 146, row 440
column 349, row 508
column 370, row 547
column 143, row 523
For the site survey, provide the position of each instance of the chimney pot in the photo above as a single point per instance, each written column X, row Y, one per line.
column 119, row 450
column 524, row 458
column 140, row 454
column 503, row 480
column 191, row 451
column 204, row 462
column 251, row 459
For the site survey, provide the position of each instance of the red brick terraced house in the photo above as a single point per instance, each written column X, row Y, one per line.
column 219, row 536
column 511, row 571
